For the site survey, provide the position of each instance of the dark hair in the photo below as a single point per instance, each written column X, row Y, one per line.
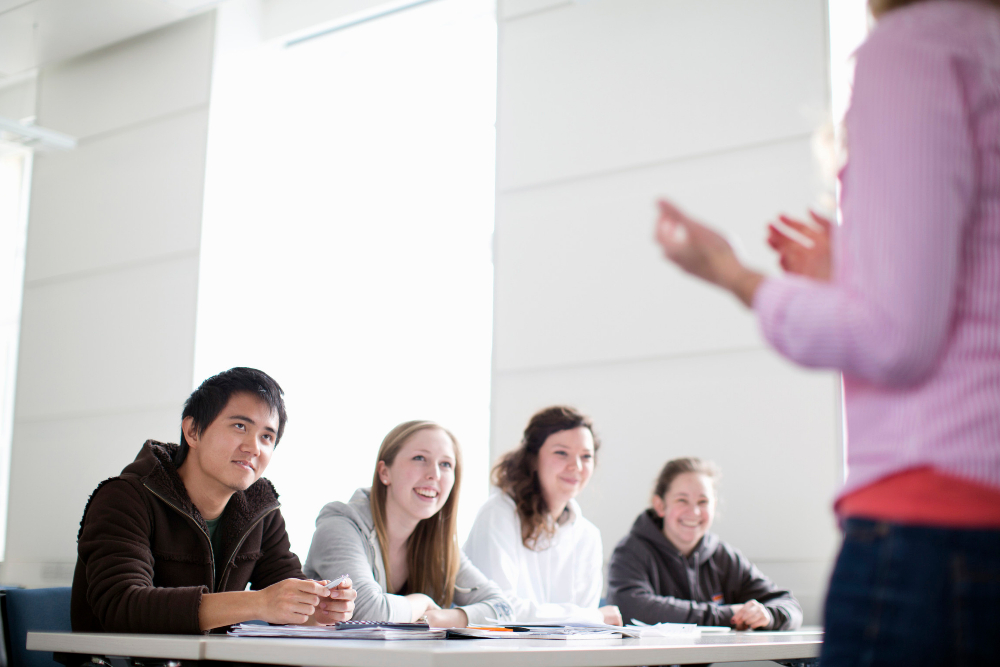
column 207, row 401
column 680, row 466
column 516, row 473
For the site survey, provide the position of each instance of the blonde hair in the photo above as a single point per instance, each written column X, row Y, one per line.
column 880, row 7
column 432, row 552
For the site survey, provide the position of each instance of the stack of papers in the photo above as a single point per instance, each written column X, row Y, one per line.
column 573, row 631
column 331, row 632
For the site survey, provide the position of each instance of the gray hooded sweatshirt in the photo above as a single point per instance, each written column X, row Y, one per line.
column 345, row 543
column 650, row 580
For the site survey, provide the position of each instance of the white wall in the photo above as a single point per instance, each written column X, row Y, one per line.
column 603, row 106
column 107, row 326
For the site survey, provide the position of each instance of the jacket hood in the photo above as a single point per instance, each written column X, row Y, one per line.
column 649, row 528
column 358, row 509
column 153, row 468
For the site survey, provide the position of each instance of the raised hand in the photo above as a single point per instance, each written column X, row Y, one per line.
column 812, row 260
column 703, row 252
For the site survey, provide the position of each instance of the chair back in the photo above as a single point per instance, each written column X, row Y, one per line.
column 32, row 610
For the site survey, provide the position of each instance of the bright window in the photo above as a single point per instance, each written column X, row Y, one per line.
column 346, row 242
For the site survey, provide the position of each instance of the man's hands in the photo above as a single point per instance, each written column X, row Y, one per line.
column 812, row 260
column 339, row 606
column 288, row 601
column 612, row 615
column 750, row 616
column 703, row 252
column 295, row 601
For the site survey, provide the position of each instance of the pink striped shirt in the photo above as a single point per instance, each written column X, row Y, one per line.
column 912, row 317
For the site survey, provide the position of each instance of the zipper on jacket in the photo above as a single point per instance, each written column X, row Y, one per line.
column 204, row 532
column 246, row 533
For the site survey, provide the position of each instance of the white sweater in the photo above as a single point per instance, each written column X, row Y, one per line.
column 561, row 583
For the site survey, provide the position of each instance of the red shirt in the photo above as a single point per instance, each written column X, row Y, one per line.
column 925, row 497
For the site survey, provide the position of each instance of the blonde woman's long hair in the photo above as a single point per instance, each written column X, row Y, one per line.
column 432, row 552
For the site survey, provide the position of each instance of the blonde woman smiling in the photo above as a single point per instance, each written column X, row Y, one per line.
column 398, row 539
column 531, row 538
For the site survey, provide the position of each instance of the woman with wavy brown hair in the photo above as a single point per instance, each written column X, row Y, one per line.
column 531, row 538
column 398, row 538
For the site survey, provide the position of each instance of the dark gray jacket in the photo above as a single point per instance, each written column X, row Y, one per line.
column 651, row 581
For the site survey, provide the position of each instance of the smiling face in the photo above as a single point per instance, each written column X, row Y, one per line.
column 421, row 475
column 565, row 464
column 233, row 451
column 687, row 508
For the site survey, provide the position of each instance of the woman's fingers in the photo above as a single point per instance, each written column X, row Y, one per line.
column 822, row 221
column 779, row 240
column 670, row 211
column 808, row 231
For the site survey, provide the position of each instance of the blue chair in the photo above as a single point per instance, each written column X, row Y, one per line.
column 29, row 610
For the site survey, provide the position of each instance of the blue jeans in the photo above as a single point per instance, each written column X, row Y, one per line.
column 909, row 595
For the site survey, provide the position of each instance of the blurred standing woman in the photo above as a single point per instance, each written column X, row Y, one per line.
column 911, row 316
column 398, row 539
column 531, row 537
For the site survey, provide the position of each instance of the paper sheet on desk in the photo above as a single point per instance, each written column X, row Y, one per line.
column 324, row 632
column 569, row 631
column 671, row 630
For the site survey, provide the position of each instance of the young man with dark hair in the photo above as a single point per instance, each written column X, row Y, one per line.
column 172, row 543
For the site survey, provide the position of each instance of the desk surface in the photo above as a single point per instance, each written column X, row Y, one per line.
column 730, row 647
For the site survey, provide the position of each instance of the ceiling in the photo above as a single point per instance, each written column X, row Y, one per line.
column 37, row 32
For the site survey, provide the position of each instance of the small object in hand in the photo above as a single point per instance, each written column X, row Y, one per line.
column 336, row 582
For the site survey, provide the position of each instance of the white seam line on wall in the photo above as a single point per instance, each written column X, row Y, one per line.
column 569, row 366
column 616, row 171
column 112, row 268
column 536, row 12
column 89, row 414
column 16, row 7
column 139, row 124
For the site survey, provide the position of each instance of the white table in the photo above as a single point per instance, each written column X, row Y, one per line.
column 731, row 647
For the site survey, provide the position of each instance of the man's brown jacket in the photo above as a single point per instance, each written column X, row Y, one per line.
column 144, row 555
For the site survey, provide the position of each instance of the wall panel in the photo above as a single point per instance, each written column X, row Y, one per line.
column 131, row 197
column 611, row 84
column 582, row 255
column 94, row 447
column 135, row 81
column 107, row 328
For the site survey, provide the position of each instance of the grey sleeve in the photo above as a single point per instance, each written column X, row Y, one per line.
column 480, row 599
column 339, row 547
column 754, row 585
column 630, row 587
